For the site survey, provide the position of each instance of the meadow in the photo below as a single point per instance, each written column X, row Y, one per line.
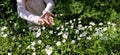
column 81, row 27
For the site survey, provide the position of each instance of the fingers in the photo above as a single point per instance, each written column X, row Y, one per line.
column 50, row 20
column 47, row 19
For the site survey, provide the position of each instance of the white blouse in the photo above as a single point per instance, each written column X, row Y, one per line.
column 33, row 10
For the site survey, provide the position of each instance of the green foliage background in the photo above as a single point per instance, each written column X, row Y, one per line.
column 65, row 10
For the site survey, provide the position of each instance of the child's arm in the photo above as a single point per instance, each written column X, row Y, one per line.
column 23, row 13
column 49, row 6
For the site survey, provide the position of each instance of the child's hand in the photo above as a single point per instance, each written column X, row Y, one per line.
column 47, row 19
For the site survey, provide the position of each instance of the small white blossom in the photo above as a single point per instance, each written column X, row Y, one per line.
column 78, row 38
column 113, row 24
column 74, row 19
column 33, row 43
column 73, row 41
column 23, row 30
column 3, row 28
column 79, row 22
column 65, row 35
column 89, row 38
column 105, row 29
column 38, row 34
column 71, row 26
column 60, row 33
column 62, row 26
column 58, row 43
column 39, row 41
column 100, row 23
column 5, row 35
column 28, row 47
column 43, row 28
column 9, row 53
column 66, row 29
column 33, row 53
column 108, row 23
column 66, row 23
column 19, row 46
column 70, row 21
column 63, row 40
column 57, row 28
column 76, row 31
column 85, row 27
column 15, row 24
column 48, row 50
column 61, row 14
column 2, row 33
column 51, row 32
column 92, row 23
column 79, row 19
column 83, row 34
column 33, row 48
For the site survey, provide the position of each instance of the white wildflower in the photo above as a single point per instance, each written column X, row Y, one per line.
column 62, row 29
column 23, row 30
column 5, row 35
column 43, row 28
column 73, row 41
column 33, row 53
column 76, row 31
column 3, row 28
column 74, row 19
column 89, row 38
column 79, row 22
column 66, row 23
column 113, row 24
column 70, row 21
column 78, row 38
column 66, row 29
column 71, row 26
column 57, row 28
column 9, row 53
column 33, row 48
column 108, row 23
column 33, row 43
column 83, row 34
column 60, row 33
column 39, row 41
column 100, row 23
column 48, row 50
column 64, row 40
column 65, row 35
column 2, row 33
column 51, row 32
column 104, row 29
column 79, row 19
column 38, row 34
column 28, row 47
column 85, row 26
column 96, row 29
column 61, row 14
column 19, row 46
column 15, row 24
column 62, row 26
column 56, row 15
column 58, row 43
column 92, row 23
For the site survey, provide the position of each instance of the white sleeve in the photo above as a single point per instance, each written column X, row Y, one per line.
column 23, row 13
column 49, row 6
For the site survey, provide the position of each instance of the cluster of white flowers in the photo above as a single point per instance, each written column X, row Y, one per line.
column 58, row 43
column 3, row 33
column 48, row 50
